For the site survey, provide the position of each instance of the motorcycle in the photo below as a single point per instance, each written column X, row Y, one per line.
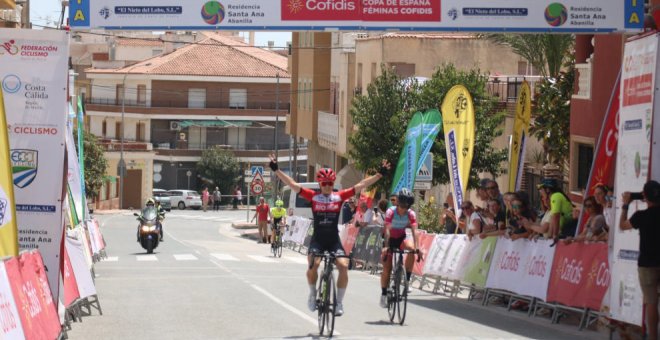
column 149, row 229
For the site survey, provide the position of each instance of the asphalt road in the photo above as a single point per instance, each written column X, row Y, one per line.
column 207, row 281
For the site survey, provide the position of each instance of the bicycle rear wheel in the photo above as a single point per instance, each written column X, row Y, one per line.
column 279, row 246
column 402, row 300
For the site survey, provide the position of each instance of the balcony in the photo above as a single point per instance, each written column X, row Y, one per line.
column 583, row 82
column 328, row 130
column 115, row 145
column 174, row 108
column 506, row 88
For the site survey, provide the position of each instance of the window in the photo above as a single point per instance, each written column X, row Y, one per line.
column 342, row 106
column 585, row 154
column 119, row 94
column 118, row 130
column 196, row 98
column 299, row 93
column 373, row 71
column 141, row 94
column 358, row 89
column 104, row 128
column 140, row 132
column 238, row 98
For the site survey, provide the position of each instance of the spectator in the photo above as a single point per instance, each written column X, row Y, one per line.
column 508, row 198
column 205, row 198
column 364, row 215
column 543, row 227
column 393, row 200
column 561, row 209
column 348, row 210
column 494, row 226
column 595, row 229
column 520, row 213
column 217, row 197
column 449, row 216
column 237, row 191
column 472, row 222
column 482, row 192
column 379, row 212
column 648, row 262
column 263, row 215
column 604, row 198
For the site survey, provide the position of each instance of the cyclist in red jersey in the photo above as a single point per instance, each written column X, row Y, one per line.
column 326, row 206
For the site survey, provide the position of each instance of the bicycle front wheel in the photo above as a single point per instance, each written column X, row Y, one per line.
column 279, row 246
column 320, row 304
column 393, row 295
column 402, row 300
column 332, row 304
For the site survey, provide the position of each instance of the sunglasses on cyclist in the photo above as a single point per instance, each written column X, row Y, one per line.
column 327, row 184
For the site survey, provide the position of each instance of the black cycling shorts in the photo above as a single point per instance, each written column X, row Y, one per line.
column 318, row 247
column 276, row 222
column 397, row 243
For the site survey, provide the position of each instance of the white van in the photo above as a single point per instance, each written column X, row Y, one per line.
column 300, row 206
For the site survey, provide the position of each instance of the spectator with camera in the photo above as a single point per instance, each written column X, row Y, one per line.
column 448, row 216
column 648, row 262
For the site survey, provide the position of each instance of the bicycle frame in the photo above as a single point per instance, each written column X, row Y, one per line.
column 397, row 293
column 327, row 294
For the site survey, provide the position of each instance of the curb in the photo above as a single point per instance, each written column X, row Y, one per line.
column 244, row 225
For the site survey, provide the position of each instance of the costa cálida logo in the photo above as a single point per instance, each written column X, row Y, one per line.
column 320, row 10
column 24, row 166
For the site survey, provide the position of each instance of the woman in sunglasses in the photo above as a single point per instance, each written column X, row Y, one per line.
column 596, row 227
column 471, row 222
column 326, row 205
column 520, row 214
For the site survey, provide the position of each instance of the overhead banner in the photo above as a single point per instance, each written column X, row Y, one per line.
column 638, row 81
column 575, row 16
column 33, row 76
column 522, row 266
column 8, row 226
column 519, row 137
column 459, row 128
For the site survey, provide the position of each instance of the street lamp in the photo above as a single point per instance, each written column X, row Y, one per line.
column 121, row 167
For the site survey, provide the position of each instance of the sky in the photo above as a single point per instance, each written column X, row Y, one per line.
column 47, row 13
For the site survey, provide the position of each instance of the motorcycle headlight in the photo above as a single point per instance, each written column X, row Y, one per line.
column 145, row 228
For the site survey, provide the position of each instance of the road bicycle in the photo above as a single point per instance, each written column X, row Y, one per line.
column 276, row 245
column 397, row 293
column 326, row 301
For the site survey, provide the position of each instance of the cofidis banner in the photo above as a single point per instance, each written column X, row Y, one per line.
column 8, row 227
column 458, row 123
column 33, row 76
column 520, row 135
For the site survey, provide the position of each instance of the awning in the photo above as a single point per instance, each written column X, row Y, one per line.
column 214, row 123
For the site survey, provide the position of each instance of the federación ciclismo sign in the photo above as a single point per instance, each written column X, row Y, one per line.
column 406, row 15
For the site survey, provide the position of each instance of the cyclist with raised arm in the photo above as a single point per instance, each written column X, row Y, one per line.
column 397, row 219
column 279, row 217
column 326, row 206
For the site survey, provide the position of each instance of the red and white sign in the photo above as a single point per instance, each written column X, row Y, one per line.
column 83, row 276
column 362, row 10
column 522, row 266
column 424, row 245
column 348, row 236
column 10, row 319
column 580, row 275
column 71, row 292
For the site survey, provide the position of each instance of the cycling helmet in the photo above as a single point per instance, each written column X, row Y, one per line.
column 406, row 196
column 326, row 175
column 150, row 202
column 550, row 183
column 279, row 203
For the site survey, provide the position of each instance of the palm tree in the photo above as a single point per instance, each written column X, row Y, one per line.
column 546, row 52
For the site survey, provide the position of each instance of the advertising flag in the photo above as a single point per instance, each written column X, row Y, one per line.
column 404, row 175
column 73, row 178
column 8, row 226
column 33, row 76
column 458, row 122
column 81, row 154
column 431, row 125
column 520, row 135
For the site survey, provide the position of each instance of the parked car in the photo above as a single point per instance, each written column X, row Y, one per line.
column 163, row 197
column 183, row 199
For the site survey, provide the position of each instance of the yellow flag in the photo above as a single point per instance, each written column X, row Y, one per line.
column 7, row 4
column 519, row 137
column 8, row 226
column 458, row 123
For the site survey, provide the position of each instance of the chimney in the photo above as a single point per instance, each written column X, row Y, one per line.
column 251, row 38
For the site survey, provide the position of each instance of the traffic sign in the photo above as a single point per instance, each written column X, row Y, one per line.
column 249, row 173
column 248, row 179
column 425, row 173
column 257, row 169
column 258, row 178
column 422, row 186
column 257, row 188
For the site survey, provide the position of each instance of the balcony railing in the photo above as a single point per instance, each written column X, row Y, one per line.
column 328, row 130
column 186, row 145
column 252, row 105
column 506, row 88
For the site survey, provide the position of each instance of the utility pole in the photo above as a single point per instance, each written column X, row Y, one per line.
column 277, row 121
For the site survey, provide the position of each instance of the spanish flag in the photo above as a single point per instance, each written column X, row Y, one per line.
column 8, row 226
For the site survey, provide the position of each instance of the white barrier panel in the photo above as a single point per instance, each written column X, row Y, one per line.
column 80, row 234
column 10, row 320
column 522, row 267
column 444, row 256
column 80, row 271
column 298, row 229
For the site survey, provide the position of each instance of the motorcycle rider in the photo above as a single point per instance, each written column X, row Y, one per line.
column 151, row 203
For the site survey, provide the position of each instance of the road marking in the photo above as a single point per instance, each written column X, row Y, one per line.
column 224, row 257
column 185, row 257
column 262, row 259
column 111, row 259
column 146, row 258
column 296, row 259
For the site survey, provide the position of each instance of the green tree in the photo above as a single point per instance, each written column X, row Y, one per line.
column 219, row 167
column 382, row 117
column 95, row 164
column 428, row 217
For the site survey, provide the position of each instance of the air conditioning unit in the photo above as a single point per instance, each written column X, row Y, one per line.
column 175, row 126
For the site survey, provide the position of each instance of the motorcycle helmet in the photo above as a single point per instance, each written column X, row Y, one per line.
column 279, row 203
column 406, row 196
column 150, row 201
column 326, row 175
